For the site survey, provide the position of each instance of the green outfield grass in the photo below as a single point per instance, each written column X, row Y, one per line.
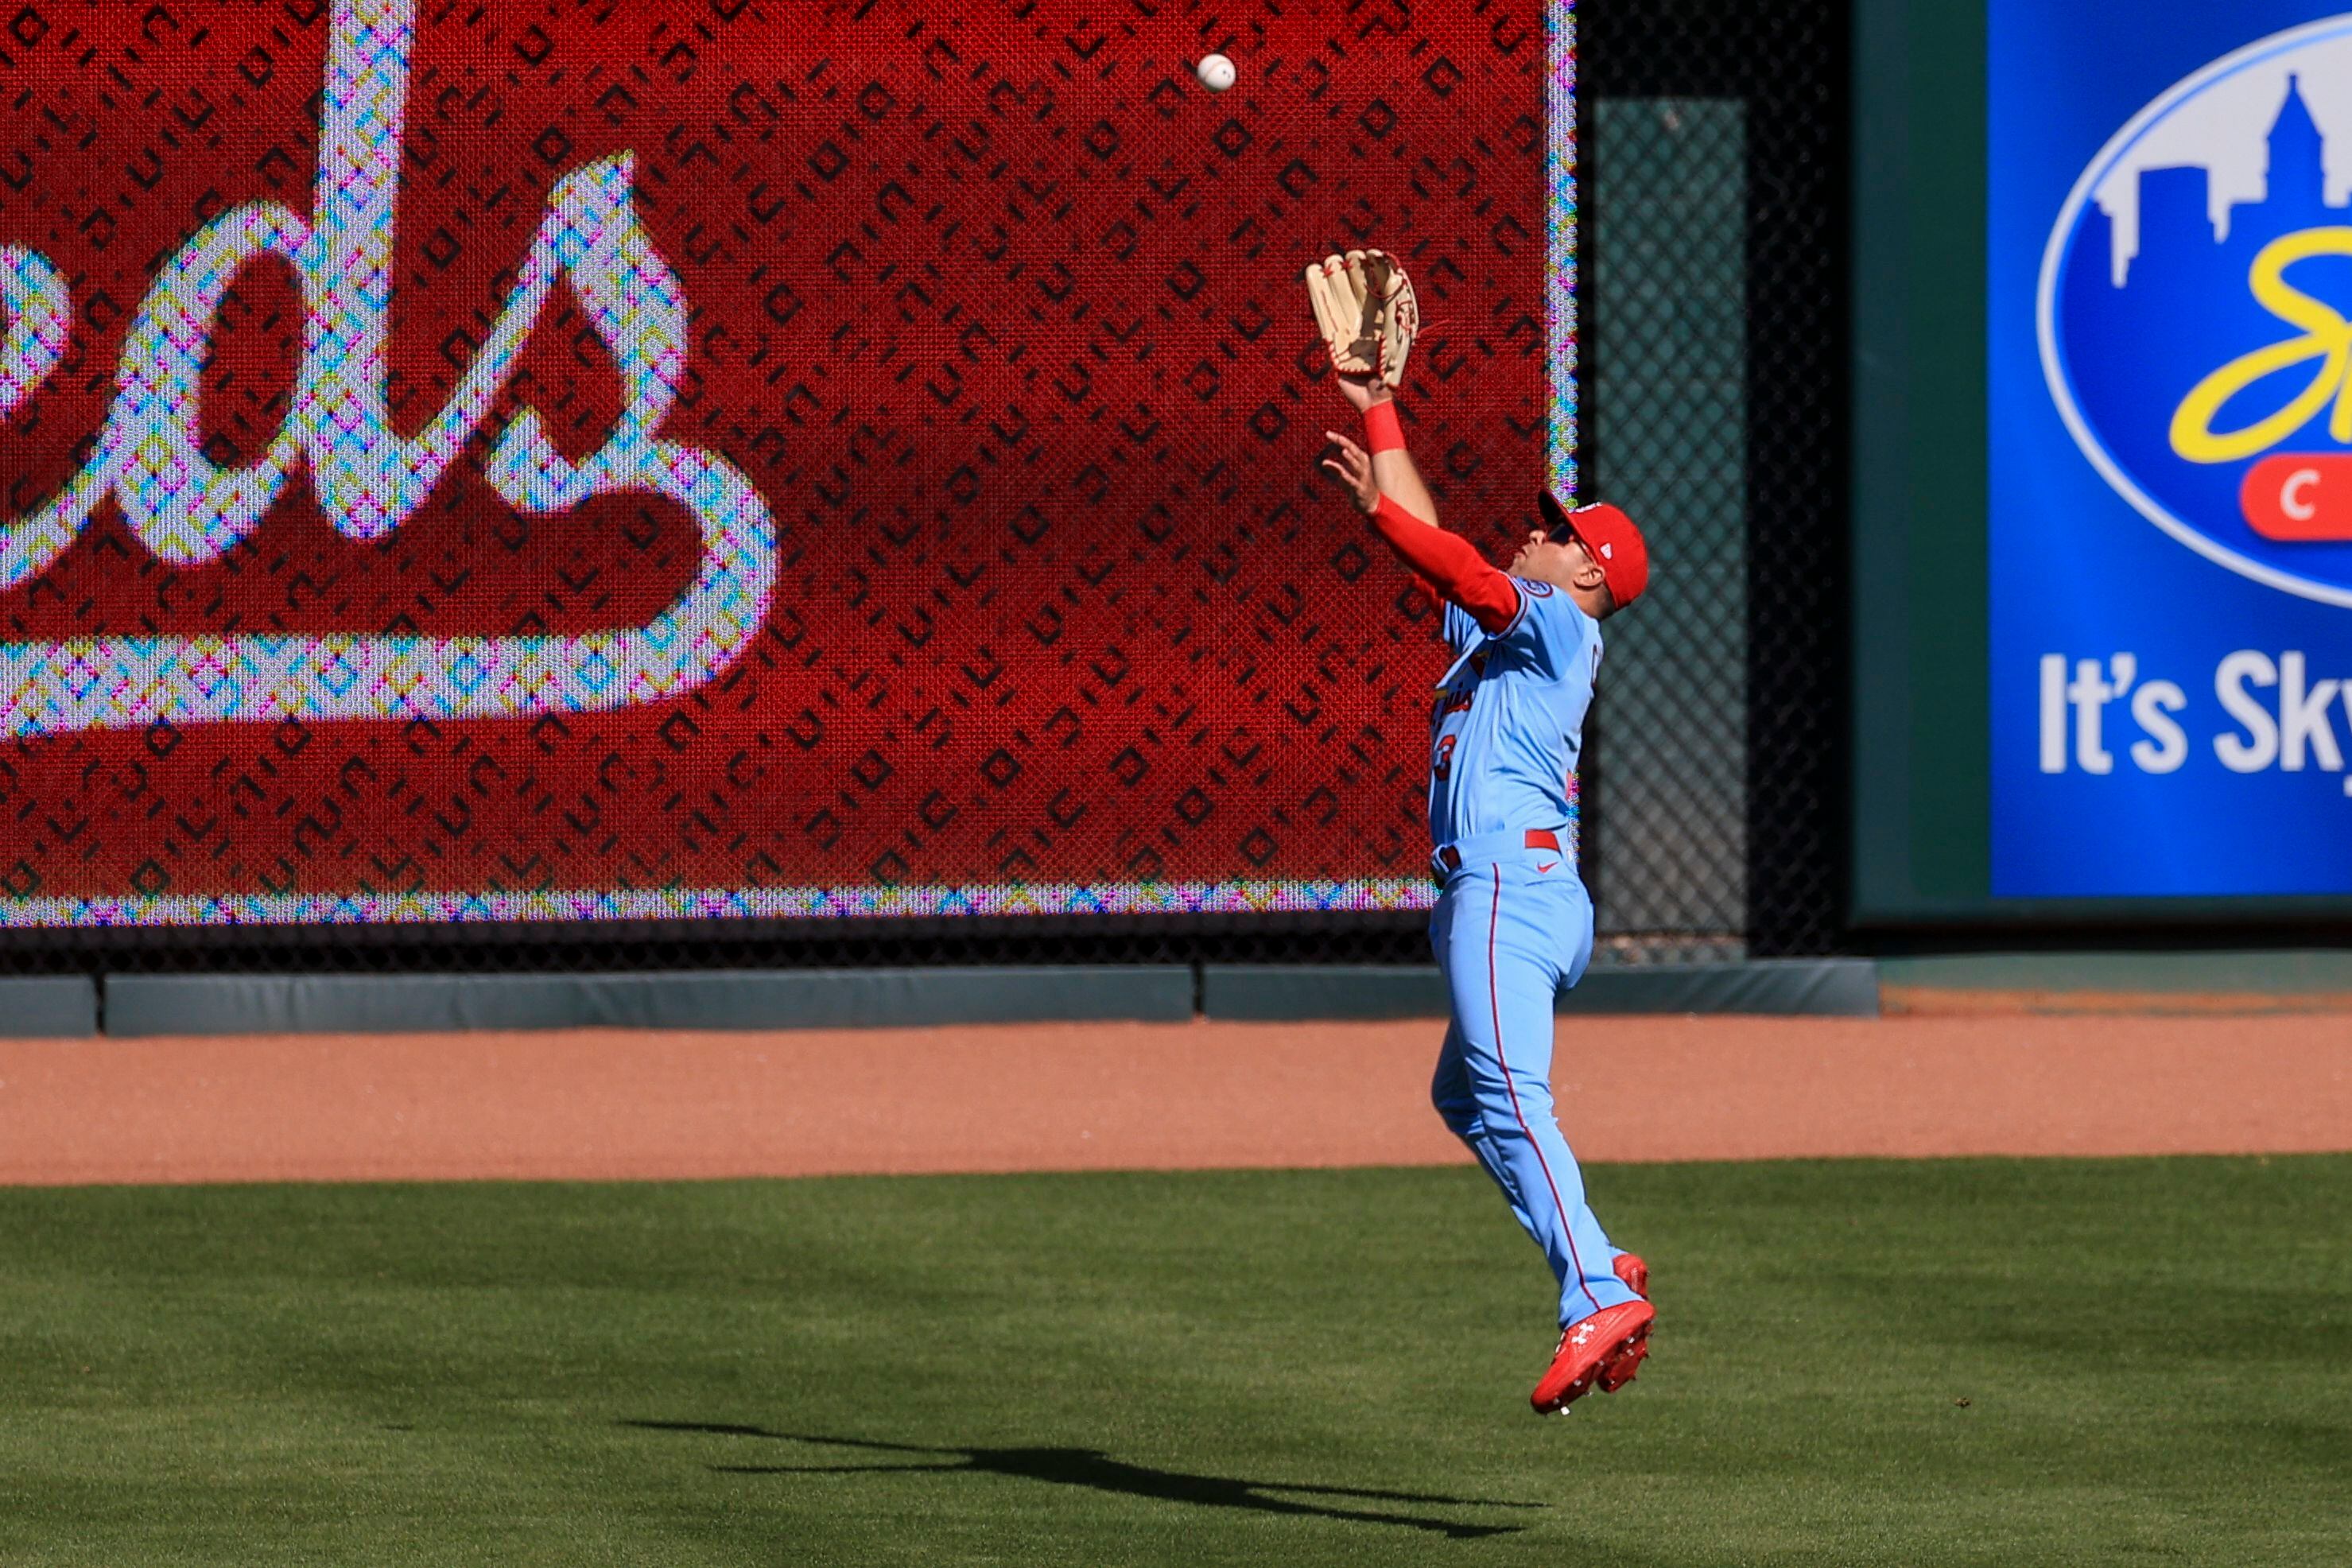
column 1996, row 1362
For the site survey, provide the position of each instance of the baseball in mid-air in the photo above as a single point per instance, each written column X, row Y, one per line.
column 1216, row 72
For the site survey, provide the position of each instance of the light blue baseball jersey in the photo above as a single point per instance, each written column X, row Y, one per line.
column 1507, row 726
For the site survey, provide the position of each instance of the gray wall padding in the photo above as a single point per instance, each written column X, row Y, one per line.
column 148, row 1005
column 783, row 999
column 48, row 1007
column 1835, row 986
column 2248, row 971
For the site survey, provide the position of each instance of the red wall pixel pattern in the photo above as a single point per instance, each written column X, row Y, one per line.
column 1001, row 316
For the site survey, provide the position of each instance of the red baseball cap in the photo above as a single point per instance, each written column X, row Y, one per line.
column 1610, row 537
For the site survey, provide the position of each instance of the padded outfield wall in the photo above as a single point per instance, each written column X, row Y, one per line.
column 746, row 483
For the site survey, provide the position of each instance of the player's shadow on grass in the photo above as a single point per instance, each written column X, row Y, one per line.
column 1093, row 1469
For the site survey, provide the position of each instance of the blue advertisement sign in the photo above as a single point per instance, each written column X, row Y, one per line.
column 2169, row 307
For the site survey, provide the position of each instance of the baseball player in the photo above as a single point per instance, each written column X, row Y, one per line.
column 1513, row 922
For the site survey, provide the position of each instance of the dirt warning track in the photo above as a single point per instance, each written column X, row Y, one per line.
column 620, row 1105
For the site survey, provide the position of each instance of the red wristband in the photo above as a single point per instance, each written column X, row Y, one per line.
column 1382, row 431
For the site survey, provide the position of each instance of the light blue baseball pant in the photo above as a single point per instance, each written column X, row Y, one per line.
column 1513, row 926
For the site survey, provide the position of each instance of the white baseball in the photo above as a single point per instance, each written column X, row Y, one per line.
column 1216, row 72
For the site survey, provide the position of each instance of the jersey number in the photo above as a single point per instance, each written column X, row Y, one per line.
column 1444, row 767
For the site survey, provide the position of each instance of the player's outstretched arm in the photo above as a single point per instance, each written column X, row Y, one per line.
column 1392, row 465
column 1448, row 565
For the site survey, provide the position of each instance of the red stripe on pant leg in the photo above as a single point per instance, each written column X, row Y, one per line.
column 1495, row 999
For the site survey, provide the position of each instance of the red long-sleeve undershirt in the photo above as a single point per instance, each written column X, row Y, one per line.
column 1450, row 564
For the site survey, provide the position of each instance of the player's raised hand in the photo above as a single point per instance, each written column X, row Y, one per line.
column 1354, row 467
column 1361, row 391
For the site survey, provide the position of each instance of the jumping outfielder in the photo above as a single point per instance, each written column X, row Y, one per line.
column 1513, row 924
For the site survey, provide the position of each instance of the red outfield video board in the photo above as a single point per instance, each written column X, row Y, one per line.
column 555, row 461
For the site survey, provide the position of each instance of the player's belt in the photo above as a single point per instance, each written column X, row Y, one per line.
column 1450, row 858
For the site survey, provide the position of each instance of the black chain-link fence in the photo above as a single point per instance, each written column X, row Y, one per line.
column 1715, row 149
column 1666, row 389
column 1714, row 155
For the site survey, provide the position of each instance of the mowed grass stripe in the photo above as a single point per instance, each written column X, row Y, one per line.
column 1976, row 1362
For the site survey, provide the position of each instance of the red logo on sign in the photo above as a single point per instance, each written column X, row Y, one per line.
column 2299, row 495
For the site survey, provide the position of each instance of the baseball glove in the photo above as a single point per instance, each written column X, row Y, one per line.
column 1367, row 311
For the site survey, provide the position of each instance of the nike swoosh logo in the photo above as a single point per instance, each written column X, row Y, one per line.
column 1546, row 868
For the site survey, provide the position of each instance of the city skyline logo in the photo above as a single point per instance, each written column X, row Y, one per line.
column 2194, row 313
column 150, row 459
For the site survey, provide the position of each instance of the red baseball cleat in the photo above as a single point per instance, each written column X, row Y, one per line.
column 1603, row 1350
column 1633, row 1272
